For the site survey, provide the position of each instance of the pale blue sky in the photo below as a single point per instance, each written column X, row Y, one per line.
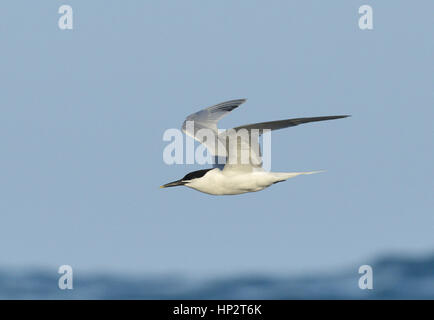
column 83, row 114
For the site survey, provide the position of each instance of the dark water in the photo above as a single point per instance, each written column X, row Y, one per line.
column 394, row 278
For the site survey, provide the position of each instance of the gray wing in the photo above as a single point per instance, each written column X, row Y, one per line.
column 280, row 124
column 250, row 145
column 208, row 119
column 243, row 152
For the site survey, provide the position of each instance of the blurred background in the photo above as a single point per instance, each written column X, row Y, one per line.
column 83, row 113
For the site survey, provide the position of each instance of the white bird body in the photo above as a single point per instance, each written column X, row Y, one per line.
column 230, row 182
column 237, row 176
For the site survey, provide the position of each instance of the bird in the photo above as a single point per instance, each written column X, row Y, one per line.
column 235, row 176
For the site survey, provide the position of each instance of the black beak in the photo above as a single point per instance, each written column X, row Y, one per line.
column 173, row 184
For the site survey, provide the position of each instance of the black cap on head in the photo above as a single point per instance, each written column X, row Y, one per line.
column 188, row 177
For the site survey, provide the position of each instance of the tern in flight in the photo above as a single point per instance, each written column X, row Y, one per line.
column 236, row 176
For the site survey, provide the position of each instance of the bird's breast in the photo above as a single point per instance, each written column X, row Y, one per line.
column 230, row 184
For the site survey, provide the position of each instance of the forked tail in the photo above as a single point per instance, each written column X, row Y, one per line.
column 282, row 176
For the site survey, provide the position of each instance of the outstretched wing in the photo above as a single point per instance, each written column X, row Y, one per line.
column 247, row 143
column 242, row 149
column 207, row 119
column 280, row 124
